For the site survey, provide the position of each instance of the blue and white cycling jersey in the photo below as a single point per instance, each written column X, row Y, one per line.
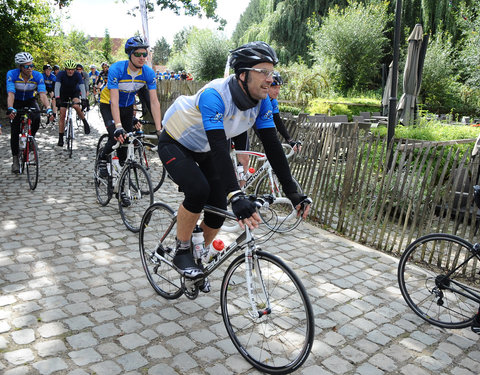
column 128, row 83
column 93, row 76
column 189, row 117
column 275, row 108
column 24, row 90
column 49, row 81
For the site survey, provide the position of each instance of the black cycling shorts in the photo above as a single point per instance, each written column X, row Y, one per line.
column 197, row 177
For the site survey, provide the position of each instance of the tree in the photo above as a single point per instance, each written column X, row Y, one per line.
column 190, row 8
column 161, row 52
column 349, row 44
column 107, row 47
column 180, row 38
column 24, row 26
column 206, row 54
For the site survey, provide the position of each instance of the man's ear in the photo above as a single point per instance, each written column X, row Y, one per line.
column 241, row 76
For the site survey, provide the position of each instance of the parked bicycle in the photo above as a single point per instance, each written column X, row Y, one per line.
column 265, row 308
column 147, row 156
column 29, row 161
column 280, row 216
column 438, row 275
column 130, row 183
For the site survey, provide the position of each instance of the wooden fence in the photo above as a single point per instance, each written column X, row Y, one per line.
column 345, row 170
column 168, row 91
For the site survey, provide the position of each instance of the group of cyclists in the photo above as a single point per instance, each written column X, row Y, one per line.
column 193, row 138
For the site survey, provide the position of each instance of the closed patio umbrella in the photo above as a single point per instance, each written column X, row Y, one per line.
column 387, row 90
column 407, row 103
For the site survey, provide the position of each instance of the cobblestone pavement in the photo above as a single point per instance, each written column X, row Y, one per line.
column 74, row 299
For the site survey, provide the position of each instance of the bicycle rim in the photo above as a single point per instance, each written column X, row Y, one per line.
column 280, row 216
column 31, row 163
column 103, row 186
column 278, row 342
column 70, row 137
column 425, row 286
column 135, row 195
column 151, row 161
column 158, row 236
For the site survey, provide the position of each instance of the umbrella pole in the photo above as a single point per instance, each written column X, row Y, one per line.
column 392, row 104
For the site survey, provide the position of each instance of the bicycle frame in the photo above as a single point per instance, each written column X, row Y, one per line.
column 26, row 130
column 244, row 240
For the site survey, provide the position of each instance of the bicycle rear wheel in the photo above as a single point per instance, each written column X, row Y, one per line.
column 69, row 137
column 280, row 216
column 135, row 195
column 277, row 341
column 432, row 273
column 103, row 186
column 157, row 241
column 31, row 162
column 151, row 161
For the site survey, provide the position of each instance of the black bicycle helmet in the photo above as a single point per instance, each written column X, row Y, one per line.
column 251, row 54
column 277, row 79
column 134, row 43
column 79, row 66
column 47, row 66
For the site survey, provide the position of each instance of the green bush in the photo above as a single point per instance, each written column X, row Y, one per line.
column 349, row 44
column 343, row 106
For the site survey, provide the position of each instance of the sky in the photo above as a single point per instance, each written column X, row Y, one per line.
column 94, row 16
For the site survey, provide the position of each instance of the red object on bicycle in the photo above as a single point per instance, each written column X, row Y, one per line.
column 251, row 170
column 218, row 245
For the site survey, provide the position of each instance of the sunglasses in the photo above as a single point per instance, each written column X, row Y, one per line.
column 31, row 66
column 267, row 73
column 140, row 54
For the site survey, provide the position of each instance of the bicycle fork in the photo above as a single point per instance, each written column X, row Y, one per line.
column 252, row 266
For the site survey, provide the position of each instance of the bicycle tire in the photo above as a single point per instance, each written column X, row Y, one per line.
column 135, row 183
column 103, row 186
column 152, row 163
column 158, row 232
column 31, row 162
column 425, row 286
column 102, row 141
column 70, row 137
column 278, row 342
column 280, row 216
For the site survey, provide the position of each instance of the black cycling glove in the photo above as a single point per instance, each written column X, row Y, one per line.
column 296, row 198
column 118, row 132
column 242, row 207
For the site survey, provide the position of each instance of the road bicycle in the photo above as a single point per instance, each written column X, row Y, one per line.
column 264, row 305
column 280, row 216
column 131, row 184
column 147, row 156
column 69, row 128
column 438, row 275
column 28, row 155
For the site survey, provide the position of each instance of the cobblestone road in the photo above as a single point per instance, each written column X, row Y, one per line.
column 74, row 299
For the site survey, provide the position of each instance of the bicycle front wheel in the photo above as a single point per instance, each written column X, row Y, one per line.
column 135, row 195
column 275, row 341
column 280, row 216
column 31, row 162
column 438, row 277
column 157, row 240
column 102, row 142
column 151, row 161
column 103, row 185
column 70, row 137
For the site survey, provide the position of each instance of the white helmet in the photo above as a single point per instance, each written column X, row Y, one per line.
column 23, row 58
column 92, row 66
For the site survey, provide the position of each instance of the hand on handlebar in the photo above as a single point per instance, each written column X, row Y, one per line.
column 296, row 145
column 245, row 210
column 301, row 202
column 11, row 113
column 119, row 135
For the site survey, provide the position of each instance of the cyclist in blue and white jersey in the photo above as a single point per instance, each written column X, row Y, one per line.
column 49, row 79
column 22, row 83
column 194, row 147
column 125, row 79
column 70, row 87
column 93, row 76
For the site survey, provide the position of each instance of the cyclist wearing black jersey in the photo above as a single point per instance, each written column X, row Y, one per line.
column 194, row 147
column 102, row 77
column 69, row 87
column 22, row 83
